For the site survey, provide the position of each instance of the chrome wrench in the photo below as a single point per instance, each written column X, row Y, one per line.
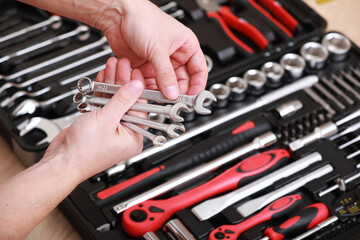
column 157, row 140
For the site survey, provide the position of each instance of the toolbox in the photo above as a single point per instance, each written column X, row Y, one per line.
column 279, row 157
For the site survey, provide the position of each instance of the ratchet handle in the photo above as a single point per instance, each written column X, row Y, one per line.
column 206, row 150
column 152, row 214
column 307, row 218
column 277, row 209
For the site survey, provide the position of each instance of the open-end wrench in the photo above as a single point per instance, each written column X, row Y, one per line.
column 67, row 67
column 172, row 111
column 51, row 127
column 195, row 101
column 251, row 106
column 157, row 140
column 100, row 42
column 82, row 31
column 9, row 100
column 54, row 21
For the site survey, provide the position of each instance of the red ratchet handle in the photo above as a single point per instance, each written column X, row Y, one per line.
column 280, row 13
column 152, row 214
column 274, row 210
column 244, row 27
column 271, row 18
column 227, row 30
column 307, row 218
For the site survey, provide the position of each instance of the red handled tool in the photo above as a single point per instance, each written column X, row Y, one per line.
column 152, row 214
column 206, row 150
column 225, row 17
column 277, row 209
column 307, row 218
column 280, row 13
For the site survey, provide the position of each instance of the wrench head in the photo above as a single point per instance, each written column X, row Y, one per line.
column 159, row 140
column 27, row 106
column 176, row 110
column 199, row 100
column 172, row 128
column 85, row 85
column 79, row 97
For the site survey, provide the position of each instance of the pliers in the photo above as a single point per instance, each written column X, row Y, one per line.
column 227, row 19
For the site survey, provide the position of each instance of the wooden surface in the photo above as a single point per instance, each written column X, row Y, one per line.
column 341, row 15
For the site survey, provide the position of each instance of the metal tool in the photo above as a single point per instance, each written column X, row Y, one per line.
column 259, row 142
column 211, row 207
column 350, row 78
column 274, row 73
column 54, row 21
column 352, row 155
column 51, row 127
column 157, row 140
column 209, row 62
column 172, row 111
column 348, row 129
column 254, row 205
column 82, row 31
column 346, row 86
column 178, row 14
column 329, row 96
column 142, row 218
column 256, row 81
column 319, row 100
column 102, row 41
column 9, row 100
column 195, row 101
column 276, row 209
column 221, row 93
column 156, row 117
column 337, row 90
column 178, row 231
column 317, row 228
column 169, row 7
column 289, row 108
column 340, row 184
column 46, row 75
column 238, row 88
column 323, row 131
column 262, row 101
column 352, row 141
column 314, row 54
column 337, row 44
column 294, row 64
column 150, row 236
column 355, row 71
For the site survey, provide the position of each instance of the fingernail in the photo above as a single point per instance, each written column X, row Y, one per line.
column 135, row 86
column 172, row 92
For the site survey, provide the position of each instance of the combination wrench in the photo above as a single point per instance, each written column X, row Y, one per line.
column 157, row 140
column 82, row 31
column 172, row 111
column 195, row 101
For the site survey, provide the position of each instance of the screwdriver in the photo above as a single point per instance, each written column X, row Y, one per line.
column 152, row 214
column 277, row 209
column 304, row 220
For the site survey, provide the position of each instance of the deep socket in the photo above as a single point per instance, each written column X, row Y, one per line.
column 238, row 88
column 293, row 64
column 222, row 93
column 274, row 73
column 338, row 46
column 314, row 54
column 256, row 80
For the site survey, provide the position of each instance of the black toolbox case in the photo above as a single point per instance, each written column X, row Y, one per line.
column 99, row 221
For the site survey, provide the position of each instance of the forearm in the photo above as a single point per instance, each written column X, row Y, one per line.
column 28, row 197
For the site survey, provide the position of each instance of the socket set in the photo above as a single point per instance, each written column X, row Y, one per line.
column 278, row 157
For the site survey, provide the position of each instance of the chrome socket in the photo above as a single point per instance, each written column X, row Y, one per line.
column 274, row 73
column 222, row 93
column 238, row 88
column 293, row 64
column 338, row 46
column 209, row 63
column 314, row 54
column 256, row 80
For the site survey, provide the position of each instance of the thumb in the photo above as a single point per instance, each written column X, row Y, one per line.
column 165, row 75
column 121, row 102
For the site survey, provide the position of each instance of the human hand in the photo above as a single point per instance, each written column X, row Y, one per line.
column 97, row 140
column 167, row 53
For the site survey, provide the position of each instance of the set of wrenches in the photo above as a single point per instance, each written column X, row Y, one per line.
column 88, row 103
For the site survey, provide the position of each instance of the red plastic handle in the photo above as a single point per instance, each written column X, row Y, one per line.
column 281, row 14
column 152, row 214
column 276, row 209
column 271, row 18
column 307, row 218
column 244, row 27
column 227, row 30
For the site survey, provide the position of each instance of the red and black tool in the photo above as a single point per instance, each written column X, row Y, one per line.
column 307, row 218
column 276, row 209
column 152, row 214
column 205, row 150
column 227, row 19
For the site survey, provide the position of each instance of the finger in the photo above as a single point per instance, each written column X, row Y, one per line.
column 165, row 75
column 120, row 103
column 136, row 74
column 123, row 71
column 198, row 73
column 183, row 77
column 100, row 78
column 110, row 73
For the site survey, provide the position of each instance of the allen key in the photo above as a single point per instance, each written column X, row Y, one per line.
column 349, row 129
column 352, row 141
column 352, row 155
column 319, row 100
column 337, row 90
column 346, row 86
column 350, row 78
column 329, row 96
column 340, row 184
column 355, row 71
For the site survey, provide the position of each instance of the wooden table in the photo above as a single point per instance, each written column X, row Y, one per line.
column 341, row 15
